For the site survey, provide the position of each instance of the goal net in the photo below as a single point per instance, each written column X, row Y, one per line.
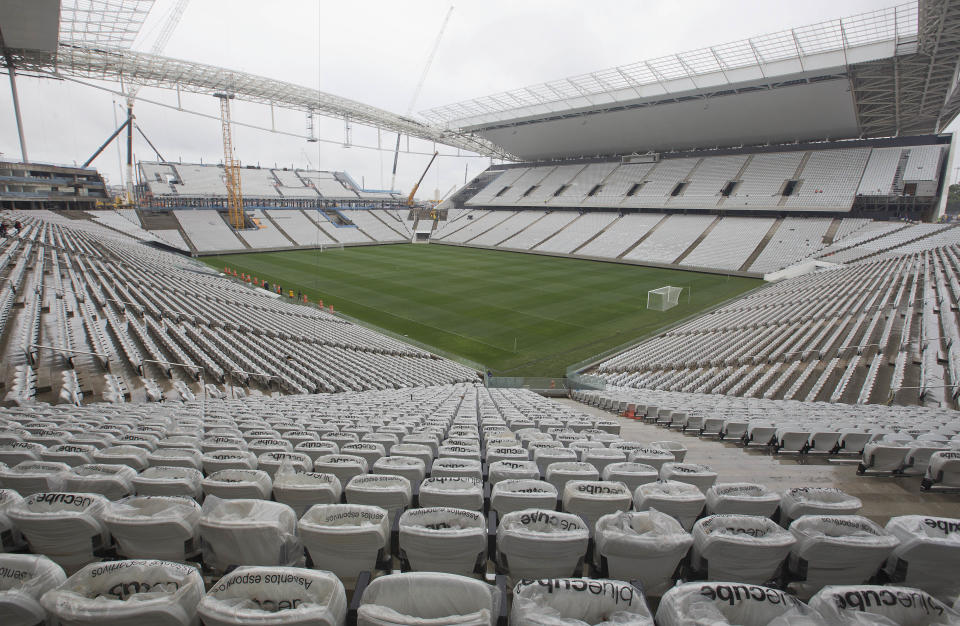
column 663, row 298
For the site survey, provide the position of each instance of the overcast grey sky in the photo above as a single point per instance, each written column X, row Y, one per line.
column 374, row 52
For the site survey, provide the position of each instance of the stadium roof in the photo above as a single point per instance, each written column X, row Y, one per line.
column 95, row 41
column 883, row 73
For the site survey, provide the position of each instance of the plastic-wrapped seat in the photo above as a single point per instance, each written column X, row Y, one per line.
column 682, row 501
column 67, row 527
column 469, row 468
column 630, row 474
column 17, row 452
column 176, row 457
column 455, row 492
column 443, row 539
column 155, row 527
column 600, row 458
column 275, row 596
column 413, row 450
column 855, row 605
column 544, row 457
column 512, row 495
column 131, row 456
column 943, row 470
column 701, row 476
column 366, row 450
column 646, row 546
column 392, row 493
column 508, row 470
column 742, row 499
column 345, row 538
column 410, row 468
column 428, row 599
column 832, row 549
column 558, row 474
column 30, row 477
column 883, row 456
column 798, row 501
column 238, row 484
column 316, row 449
column 928, row 547
column 248, row 532
column 147, row 593
column 301, row 490
column 169, row 481
column 576, row 601
column 718, row 603
column 71, row 454
column 514, row 452
column 270, row 462
column 343, row 466
column 592, row 499
column 218, row 460
column 918, row 458
column 745, row 548
column 652, row 456
column 10, row 537
column 26, row 578
column 541, row 543
column 113, row 481
column 677, row 449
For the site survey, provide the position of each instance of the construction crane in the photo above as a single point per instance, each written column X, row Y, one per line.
column 231, row 168
column 416, row 92
column 166, row 31
column 413, row 192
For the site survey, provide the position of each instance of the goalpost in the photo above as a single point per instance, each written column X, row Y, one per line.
column 663, row 298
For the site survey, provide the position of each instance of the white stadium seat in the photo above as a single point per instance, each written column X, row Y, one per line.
column 27, row 578
column 345, row 538
column 718, row 603
column 646, row 546
column 155, row 527
column 249, row 532
column 745, row 548
column 428, row 599
column 578, row 600
column 683, row 501
column 443, row 539
column 742, row 498
column 541, row 543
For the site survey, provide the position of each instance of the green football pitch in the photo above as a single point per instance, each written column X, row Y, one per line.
column 517, row 314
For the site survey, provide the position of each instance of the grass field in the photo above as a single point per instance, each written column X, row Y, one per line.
column 518, row 314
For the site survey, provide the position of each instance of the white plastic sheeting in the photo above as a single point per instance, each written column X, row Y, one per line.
column 30, row 477
column 344, row 538
column 743, row 499
column 540, row 543
column 592, row 499
column 248, row 532
column 270, row 462
column 718, row 603
column 645, row 546
column 443, row 539
column 26, row 577
column 392, row 493
column 67, row 527
column 238, row 484
column 578, row 601
column 800, row 501
column 10, row 537
column 410, row 468
column 155, row 527
column 944, row 468
column 558, row 474
column 161, row 480
column 929, row 547
column 701, row 476
column 131, row 456
column 228, row 459
column 834, row 549
column 111, row 480
column 457, row 467
column 745, row 548
column 630, row 474
column 146, row 593
column 858, row 605
column 653, row 456
column 507, row 470
column 343, row 466
column 176, row 457
column 457, row 492
column 681, row 500
column 275, row 596
column 428, row 599
column 301, row 489
column 512, row 495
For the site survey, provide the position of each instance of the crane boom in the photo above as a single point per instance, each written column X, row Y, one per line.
column 419, row 88
column 413, row 192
